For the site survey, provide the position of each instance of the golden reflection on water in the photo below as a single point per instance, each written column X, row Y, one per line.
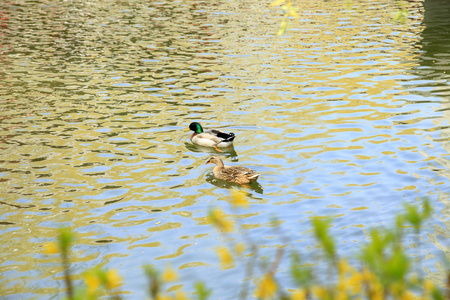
column 95, row 128
column 434, row 46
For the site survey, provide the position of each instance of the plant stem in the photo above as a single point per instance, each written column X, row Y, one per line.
column 419, row 254
column 448, row 285
column 248, row 273
column 66, row 267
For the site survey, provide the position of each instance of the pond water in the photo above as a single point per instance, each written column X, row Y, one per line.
column 345, row 115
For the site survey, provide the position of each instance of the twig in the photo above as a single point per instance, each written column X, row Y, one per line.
column 66, row 266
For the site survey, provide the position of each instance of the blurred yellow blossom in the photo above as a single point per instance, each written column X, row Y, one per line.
column 277, row 3
column 293, row 13
column 408, row 295
column 320, row 292
column 428, row 285
column 298, row 295
column 169, row 274
column 377, row 290
column 163, row 297
column 239, row 199
column 341, row 295
column 180, row 295
column 92, row 282
column 239, row 248
column 368, row 276
column 113, row 279
column 219, row 219
column 397, row 289
column 289, row 11
column 414, row 279
column 342, row 285
column 287, row 6
column 355, row 282
column 266, row 288
column 226, row 259
column 51, row 248
column 344, row 267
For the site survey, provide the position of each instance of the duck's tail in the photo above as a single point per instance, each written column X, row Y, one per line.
column 253, row 177
column 230, row 137
column 226, row 137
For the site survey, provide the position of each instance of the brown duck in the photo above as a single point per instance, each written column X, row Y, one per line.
column 235, row 174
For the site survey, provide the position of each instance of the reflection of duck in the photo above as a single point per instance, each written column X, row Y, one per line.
column 255, row 186
column 228, row 153
column 235, row 174
column 211, row 138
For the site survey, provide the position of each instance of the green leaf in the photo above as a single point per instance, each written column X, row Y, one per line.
column 416, row 218
column 321, row 226
column 397, row 266
column 302, row 275
column 150, row 271
column 281, row 31
column 436, row 294
column 154, row 284
column 202, row 291
column 397, row 15
column 65, row 239
column 427, row 209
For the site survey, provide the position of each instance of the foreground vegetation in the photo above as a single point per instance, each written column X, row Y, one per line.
column 382, row 270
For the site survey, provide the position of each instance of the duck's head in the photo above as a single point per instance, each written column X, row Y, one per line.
column 214, row 160
column 196, row 127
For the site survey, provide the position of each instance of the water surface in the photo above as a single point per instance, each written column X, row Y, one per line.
column 345, row 115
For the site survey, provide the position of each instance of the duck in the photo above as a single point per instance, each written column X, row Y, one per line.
column 210, row 138
column 234, row 174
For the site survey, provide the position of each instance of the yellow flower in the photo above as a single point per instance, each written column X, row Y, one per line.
column 341, row 295
column 408, row 295
column 320, row 292
column 342, row 285
column 51, row 248
column 293, row 13
column 428, row 285
column 414, row 279
column 266, row 288
column 239, row 248
column 163, row 297
column 397, row 289
column 367, row 275
column 218, row 218
column 180, row 295
column 277, row 2
column 343, row 267
column 227, row 225
column 92, row 282
column 377, row 290
column 298, row 295
column 356, row 282
column 169, row 274
column 113, row 279
column 226, row 259
column 239, row 199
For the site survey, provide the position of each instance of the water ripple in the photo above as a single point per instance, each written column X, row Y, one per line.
column 345, row 115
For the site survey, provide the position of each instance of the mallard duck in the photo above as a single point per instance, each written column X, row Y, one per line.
column 235, row 174
column 211, row 138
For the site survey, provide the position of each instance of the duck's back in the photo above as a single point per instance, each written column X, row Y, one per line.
column 237, row 174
